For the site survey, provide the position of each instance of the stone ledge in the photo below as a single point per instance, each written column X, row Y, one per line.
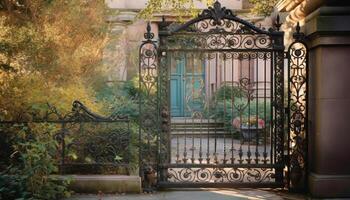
column 329, row 21
column 329, row 186
column 108, row 184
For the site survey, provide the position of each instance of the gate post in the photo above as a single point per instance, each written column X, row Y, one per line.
column 278, row 102
column 164, row 103
column 148, row 110
column 297, row 112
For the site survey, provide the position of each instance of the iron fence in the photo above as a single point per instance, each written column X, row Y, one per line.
column 87, row 143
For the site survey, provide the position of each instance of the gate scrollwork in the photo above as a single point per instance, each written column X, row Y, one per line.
column 298, row 111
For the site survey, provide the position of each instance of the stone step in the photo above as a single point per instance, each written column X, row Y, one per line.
column 198, row 129
column 107, row 184
column 190, row 120
column 197, row 125
column 212, row 133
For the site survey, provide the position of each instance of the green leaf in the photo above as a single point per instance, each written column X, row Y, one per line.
column 118, row 158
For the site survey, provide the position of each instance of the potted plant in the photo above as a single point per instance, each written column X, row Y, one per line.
column 250, row 127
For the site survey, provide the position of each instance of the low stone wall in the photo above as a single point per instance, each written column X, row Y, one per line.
column 106, row 184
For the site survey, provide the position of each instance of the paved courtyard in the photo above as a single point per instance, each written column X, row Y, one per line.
column 207, row 194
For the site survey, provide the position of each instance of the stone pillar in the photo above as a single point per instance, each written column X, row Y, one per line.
column 117, row 52
column 328, row 31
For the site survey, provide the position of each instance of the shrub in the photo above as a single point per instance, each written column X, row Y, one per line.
column 30, row 174
column 13, row 187
column 228, row 91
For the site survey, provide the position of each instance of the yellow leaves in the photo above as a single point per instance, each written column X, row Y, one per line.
column 57, row 55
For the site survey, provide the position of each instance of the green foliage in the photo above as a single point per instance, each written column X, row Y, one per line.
column 181, row 8
column 263, row 7
column 121, row 98
column 37, row 156
column 13, row 187
column 32, row 164
column 227, row 92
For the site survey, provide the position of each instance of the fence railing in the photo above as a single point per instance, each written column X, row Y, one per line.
column 88, row 143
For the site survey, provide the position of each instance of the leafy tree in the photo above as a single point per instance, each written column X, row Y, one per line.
column 50, row 51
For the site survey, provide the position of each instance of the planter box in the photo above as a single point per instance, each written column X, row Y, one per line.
column 250, row 133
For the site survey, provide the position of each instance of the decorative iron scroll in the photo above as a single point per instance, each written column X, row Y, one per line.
column 298, row 106
column 219, row 41
column 221, row 175
column 218, row 28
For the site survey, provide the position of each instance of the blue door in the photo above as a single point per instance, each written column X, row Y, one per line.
column 187, row 86
column 176, row 87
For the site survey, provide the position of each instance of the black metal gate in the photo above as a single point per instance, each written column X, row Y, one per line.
column 212, row 104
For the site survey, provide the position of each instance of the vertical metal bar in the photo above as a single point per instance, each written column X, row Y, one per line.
column 192, row 112
column 215, row 99
column 208, row 103
column 185, row 104
column 265, row 153
column 63, row 147
column 224, row 87
column 232, row 107
column 249, row 153
column 200, row 59
column 257, row 154
column 240, row 152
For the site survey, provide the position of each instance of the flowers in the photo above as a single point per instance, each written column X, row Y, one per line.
column 252, row 121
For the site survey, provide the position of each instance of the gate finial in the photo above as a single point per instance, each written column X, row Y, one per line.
column 298, row 36
column 278, row 23
column 148, row 35
column 217, row 12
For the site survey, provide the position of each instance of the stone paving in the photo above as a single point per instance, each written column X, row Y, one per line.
column 207, row 194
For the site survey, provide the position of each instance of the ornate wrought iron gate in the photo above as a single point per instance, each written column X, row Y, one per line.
column 233, row 131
